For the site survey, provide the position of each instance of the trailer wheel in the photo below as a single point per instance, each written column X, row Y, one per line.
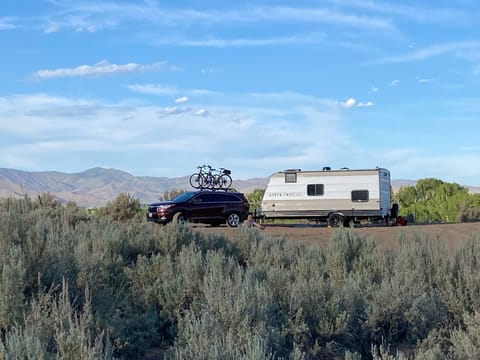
column 335, row 220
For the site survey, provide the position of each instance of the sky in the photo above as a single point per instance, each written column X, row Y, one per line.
column 157, row 88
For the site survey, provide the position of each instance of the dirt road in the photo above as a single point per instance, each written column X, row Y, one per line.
column 451, row 234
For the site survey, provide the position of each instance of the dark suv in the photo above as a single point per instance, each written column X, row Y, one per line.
column 209, row 207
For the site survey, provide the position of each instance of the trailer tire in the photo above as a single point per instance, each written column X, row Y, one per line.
column 336, row 220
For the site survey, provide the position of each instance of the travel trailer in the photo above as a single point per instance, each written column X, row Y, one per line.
column 341, row 197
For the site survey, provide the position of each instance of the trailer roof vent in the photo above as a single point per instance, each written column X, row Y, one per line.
column 293, row 170
column 327, row 168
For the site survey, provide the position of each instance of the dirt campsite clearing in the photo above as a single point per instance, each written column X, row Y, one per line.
column 452, row 235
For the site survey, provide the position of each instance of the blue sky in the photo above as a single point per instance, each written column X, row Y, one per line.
column 156, row 88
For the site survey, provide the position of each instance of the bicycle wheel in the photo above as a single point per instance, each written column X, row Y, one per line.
column 216, row 182
column 196, row 181
column 225, row 181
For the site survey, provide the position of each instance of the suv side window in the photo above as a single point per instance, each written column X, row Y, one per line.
column 202, row 198
column 231, row 197
column 218, row 197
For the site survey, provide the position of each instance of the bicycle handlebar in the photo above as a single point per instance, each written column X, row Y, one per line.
column 203, row 168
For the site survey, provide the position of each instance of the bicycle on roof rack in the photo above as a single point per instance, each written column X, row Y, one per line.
column 210, row 178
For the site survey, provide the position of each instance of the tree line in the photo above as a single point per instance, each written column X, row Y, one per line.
column 433, row 200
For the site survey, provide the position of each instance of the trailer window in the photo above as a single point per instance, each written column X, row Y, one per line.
column 315, row 189
column 290, row 177
column 360, row 195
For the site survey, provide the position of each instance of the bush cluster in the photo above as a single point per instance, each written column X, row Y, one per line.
column 74, row 286
column 433, row 200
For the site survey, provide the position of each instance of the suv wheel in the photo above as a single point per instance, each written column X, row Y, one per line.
column 233, row 220
column 179, row 218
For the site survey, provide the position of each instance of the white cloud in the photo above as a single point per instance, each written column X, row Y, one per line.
column 153, row 89
column 349, row 103
column 259, row 134
column 104, row 12
column 204, row 92
column 416, row 13
column 470, row 148
column 7, row 23
column 181, row 100
column 424, row 81
column 210, row 70
column 434, row 166
column 393, row 83
column 48, row 132
column 102, row 68
column 375, row 89
column 242, row 42
column 163, row 90
column 51, row 28
column 463, row 49
column 173, row 110
column 201, row 112
column 366, row 104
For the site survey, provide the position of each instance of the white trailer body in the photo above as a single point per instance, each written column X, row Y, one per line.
column 341, row 197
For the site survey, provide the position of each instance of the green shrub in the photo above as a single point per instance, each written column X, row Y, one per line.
column 135, row 288
column 123, row 208
column 12, row 287
column 52, row 325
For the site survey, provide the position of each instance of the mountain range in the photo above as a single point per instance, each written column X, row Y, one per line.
column 97, row 186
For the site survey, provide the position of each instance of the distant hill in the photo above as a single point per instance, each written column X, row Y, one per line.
column 95, row 187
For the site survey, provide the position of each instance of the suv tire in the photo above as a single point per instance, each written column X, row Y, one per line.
column 233, row 220
column 179, row 218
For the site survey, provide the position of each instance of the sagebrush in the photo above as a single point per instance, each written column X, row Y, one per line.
column 115, row 286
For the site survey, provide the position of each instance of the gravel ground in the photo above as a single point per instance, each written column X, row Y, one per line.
column 451, row 234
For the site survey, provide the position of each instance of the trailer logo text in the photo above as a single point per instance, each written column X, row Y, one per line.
column 276, row 195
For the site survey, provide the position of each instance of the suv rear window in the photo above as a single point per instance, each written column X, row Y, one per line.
column 231, row 197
